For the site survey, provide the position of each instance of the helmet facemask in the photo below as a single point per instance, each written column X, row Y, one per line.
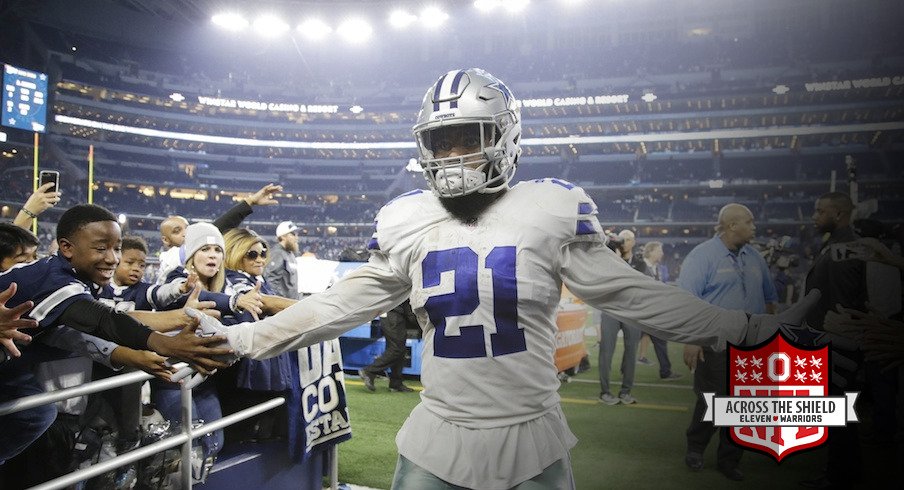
column 468, row 134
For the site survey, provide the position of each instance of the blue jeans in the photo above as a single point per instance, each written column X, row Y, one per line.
column 609, row 328
column 21, row 428
column 205, row 405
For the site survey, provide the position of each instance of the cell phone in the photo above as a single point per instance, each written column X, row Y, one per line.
column 47, row 176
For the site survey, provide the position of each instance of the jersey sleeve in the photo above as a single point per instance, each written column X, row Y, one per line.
column 356, row 298
column 161, row 296
column 603, row 280
column 240, row 282
column 83, row 344
column 49, row 287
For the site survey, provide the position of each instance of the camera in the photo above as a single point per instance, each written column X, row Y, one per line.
column 614, row 242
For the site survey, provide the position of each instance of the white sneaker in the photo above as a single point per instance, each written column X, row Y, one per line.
column 608, row 399
column 627, row 399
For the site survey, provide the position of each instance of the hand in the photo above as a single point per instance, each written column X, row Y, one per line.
column 144, row 360
column 190, row 282
column 761, row 327
column 842, row 323
column 42, row 200
column 264, row 197
column 10, row 347
column 251, row 301
column 206, row 307
column 692, row 354
column 208, row 327
column 11, row 321
column 205, row 353
column 881, row 339
column 881, row 252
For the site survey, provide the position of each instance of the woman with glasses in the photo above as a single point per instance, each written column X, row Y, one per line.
column 246, row 257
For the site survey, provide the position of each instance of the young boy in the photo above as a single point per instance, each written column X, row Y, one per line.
column 64, row 288
column 127, row 292
column 54, row 286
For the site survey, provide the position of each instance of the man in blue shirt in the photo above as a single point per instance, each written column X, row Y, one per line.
column 725, row 271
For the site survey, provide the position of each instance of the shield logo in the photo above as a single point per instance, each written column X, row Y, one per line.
column 778, row 367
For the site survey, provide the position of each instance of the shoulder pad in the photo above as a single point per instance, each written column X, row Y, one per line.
column 564, row 200
column 404, row 212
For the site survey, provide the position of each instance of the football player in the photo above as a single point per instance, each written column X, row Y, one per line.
column 483, row 264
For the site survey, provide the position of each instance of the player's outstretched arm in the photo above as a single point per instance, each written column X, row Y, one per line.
column 275, row 304
column 208, row 327
column 357, row 298
column 762, row 326
column 205, row 354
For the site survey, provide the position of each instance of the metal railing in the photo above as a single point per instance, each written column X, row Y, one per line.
column 184, row 439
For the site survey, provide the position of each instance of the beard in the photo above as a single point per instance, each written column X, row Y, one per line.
column 468, row 209
column 828, row 227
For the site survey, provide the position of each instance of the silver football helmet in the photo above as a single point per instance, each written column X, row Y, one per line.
column 468, row 133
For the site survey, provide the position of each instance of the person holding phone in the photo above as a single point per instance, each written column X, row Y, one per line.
column 45, row 197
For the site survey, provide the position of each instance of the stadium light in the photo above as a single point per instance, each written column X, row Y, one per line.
column 433, row 17
column 230, row 21
column 486, row 5
column 512, row 6
column 270, row 25
column 355, row 31
column 515, row 6
column 314, row 29
column 401, row 19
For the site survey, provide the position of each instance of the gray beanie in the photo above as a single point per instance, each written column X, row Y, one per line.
column 199, row 235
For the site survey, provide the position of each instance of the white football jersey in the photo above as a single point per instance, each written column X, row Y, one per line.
column 486, row 296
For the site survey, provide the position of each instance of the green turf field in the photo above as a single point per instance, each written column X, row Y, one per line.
column 637, row 446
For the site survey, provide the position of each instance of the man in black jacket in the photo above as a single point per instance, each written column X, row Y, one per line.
column 840, row 275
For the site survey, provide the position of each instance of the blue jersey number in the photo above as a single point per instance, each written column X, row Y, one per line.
column 465, row 299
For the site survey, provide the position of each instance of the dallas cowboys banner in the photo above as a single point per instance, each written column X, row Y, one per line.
column 317, row 401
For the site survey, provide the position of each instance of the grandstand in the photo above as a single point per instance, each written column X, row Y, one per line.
column 662, row 111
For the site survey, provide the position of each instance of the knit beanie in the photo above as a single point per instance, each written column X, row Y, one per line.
column 199, row 235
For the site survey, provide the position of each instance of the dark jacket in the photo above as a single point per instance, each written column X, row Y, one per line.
column 840, row 279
